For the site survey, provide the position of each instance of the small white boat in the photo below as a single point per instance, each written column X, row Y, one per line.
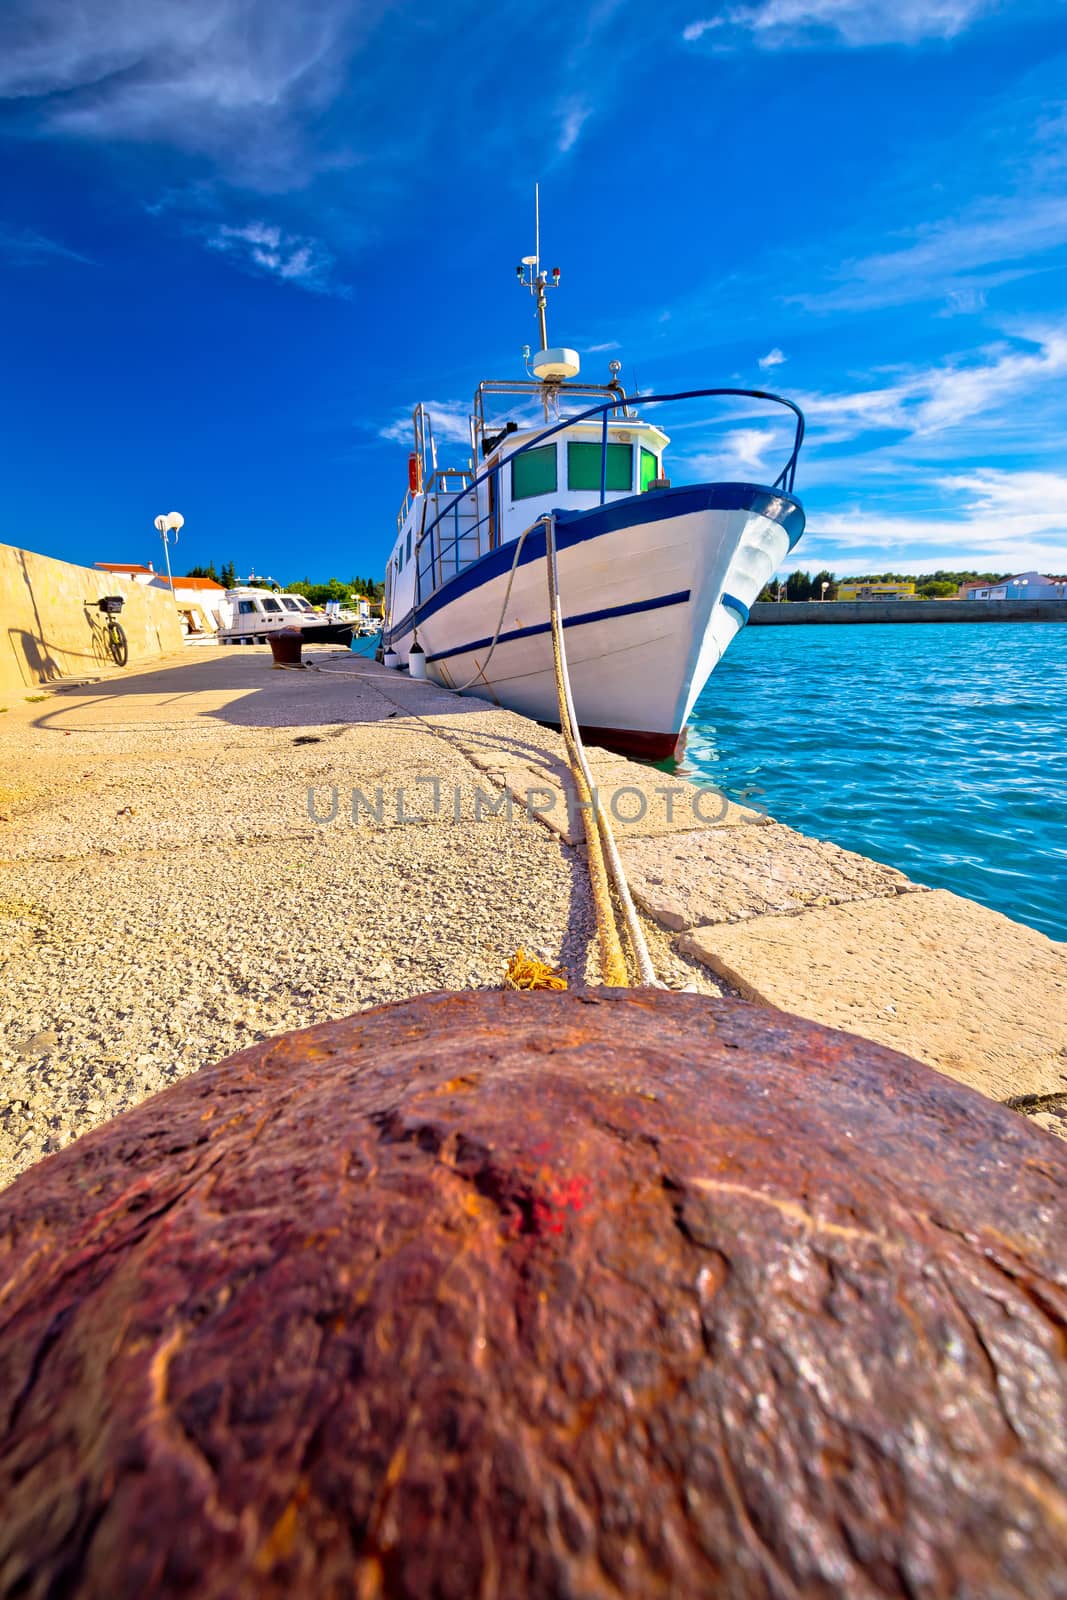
column 655, row 578
column 249, row 616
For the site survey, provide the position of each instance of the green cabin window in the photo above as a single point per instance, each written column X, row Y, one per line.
column 583, row 466
column 534, row 472
column 649, row 468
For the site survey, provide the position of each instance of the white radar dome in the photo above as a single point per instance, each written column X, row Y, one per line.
column 556, row 363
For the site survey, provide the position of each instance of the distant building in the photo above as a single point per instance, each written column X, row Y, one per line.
column 200, row 601
column 1025, row 586
column 876, row 591
column 126, row 569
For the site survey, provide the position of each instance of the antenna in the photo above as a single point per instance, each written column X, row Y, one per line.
column 537, row 225
column 530, row 275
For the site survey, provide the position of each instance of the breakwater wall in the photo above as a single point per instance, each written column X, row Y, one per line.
column 772, row 614
column 50, row 627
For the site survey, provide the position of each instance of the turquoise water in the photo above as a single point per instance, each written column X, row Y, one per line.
column 937, row 748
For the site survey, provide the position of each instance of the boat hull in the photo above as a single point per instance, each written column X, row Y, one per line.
column 311, row 633
column 653, row 588
column 328, row 633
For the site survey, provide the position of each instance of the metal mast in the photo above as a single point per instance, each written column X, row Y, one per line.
column 531, row 277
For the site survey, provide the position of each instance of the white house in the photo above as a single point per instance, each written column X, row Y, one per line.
column 201, row 601
column 1025, row 586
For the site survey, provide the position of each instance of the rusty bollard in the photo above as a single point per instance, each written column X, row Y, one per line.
column 285, row 646
column 506, row 1295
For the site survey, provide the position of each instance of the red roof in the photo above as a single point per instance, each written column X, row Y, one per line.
column 196, row 583
column 120, row 566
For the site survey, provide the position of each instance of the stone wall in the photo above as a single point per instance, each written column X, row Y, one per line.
column 50, row 627
column 793, row 611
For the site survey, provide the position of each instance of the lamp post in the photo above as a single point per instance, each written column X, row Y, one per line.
column 170, row 522
column 823, row 586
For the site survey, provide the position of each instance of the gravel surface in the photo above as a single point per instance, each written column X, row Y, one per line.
column 166, row 898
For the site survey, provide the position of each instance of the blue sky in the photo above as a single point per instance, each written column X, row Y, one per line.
column 238, row 242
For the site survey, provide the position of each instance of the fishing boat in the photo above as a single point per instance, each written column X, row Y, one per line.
column 655, row 578
column 249, row 615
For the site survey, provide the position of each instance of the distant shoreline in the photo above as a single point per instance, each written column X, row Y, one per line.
column 790, row 613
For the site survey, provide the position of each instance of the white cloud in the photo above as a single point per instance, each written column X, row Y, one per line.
column 574, row 115
column 773, row 358
column 449, row 419
column 856, row 24
column 741, row 454
column 1038, row 499
column 599, row 349
column 938, row 398
column 227, row 78
column 1004, row 521
column 264, row 248
column 696, row 30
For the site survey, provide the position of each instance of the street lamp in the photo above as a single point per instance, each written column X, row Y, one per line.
column 823, row 586
column 169, row 523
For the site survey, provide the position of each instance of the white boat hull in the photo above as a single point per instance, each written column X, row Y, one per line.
column 652, row 590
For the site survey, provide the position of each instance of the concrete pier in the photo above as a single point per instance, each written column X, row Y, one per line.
column 769, row 613
column 202, row 856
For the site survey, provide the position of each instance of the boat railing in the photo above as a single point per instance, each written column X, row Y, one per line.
column 453, row 539
column 444, row 480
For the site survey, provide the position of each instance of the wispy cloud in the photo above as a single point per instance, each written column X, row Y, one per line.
column 228, row 78
column 855, row 24
column 270, row 251
column 952, row 257
column 935, row 399
column 575, row 114
column 1010, row 520
column 25, row 246
column 602, row 349
column 755, row 454
column 745, row 449
column 773, row 358
column 966, row 302
column 448, row 417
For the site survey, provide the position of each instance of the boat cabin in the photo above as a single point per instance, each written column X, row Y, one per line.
column 452, row 516
column 249, row 614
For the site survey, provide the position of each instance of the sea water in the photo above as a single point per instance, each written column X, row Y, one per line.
column 938, row 748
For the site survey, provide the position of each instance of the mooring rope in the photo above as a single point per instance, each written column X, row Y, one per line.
column 602, row 851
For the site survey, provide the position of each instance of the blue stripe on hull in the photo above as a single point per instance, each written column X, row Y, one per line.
column 734, row 604
column 575, row 527
column 569, row 622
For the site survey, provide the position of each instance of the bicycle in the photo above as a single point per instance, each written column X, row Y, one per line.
column 114, row 633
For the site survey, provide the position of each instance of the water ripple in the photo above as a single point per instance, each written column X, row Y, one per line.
column 935, row 747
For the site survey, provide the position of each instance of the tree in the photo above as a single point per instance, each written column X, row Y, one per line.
column 817, row 582
column 937, row 588
column 798, row 586
column 204, row 572
column 334, row 589
column 229, row 576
